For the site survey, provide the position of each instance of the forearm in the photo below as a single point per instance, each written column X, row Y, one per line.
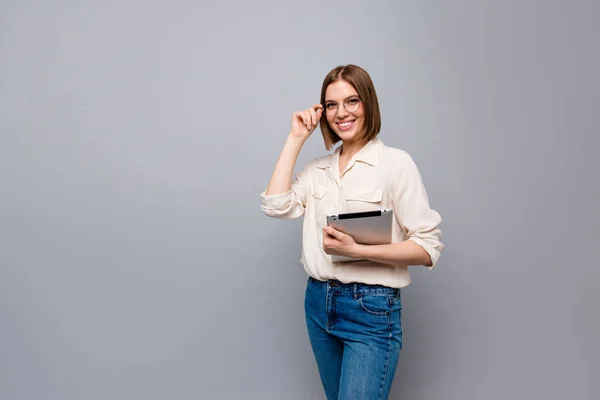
column 281, row 180
column 406, row 252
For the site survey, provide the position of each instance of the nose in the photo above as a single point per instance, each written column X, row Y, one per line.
column 341, row 111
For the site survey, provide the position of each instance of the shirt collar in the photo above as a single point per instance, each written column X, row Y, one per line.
column 369, row 154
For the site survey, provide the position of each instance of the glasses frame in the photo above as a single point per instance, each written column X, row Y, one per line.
column 337, row 108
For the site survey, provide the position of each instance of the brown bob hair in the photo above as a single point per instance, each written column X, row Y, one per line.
column 362, row 83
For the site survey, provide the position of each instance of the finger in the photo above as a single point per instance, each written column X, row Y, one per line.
column 334, row 233
column 319, row 114
column 317, row 106
column 308, row 120
column 302, row 116
column 313, row 115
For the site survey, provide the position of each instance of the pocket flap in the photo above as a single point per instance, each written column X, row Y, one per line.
column 319, row 192
column 369, row 196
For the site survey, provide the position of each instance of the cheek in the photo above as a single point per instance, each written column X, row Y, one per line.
column 361, row 120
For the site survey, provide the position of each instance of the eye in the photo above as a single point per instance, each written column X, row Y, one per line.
column 330, row 105
column 353, row 101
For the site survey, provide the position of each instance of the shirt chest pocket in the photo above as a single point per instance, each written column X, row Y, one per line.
column 365, row 199
column 319, row 202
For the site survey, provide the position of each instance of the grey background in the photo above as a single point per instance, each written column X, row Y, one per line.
column 136, row 137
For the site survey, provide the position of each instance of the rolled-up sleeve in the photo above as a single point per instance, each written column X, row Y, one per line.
column 411, row 205
column 290, row 204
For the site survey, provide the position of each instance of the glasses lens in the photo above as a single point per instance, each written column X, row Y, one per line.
column 330, row 110
column 352, row 105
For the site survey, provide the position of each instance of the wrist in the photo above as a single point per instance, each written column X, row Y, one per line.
column 358, row 251
column 296, row 140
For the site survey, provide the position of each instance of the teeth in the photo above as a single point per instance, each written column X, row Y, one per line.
column 345, row 124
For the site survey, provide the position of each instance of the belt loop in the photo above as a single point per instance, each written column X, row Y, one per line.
column 355, row 291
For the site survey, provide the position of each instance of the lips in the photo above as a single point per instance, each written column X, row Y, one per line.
column 345, row 125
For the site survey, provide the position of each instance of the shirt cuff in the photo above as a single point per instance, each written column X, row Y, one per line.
column 430, row 249
column 273, row 203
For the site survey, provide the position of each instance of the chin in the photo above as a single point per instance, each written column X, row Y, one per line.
column 348, row 136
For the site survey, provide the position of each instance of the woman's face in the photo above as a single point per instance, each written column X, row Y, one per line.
column 347, row 124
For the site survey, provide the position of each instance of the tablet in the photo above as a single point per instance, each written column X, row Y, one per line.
column 367, row 227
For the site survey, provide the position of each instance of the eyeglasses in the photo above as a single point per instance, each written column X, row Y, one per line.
column 350, row 105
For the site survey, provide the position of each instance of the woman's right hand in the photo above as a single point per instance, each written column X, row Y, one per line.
column 305, row 122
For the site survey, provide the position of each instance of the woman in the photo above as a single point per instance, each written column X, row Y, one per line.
column 353, row 309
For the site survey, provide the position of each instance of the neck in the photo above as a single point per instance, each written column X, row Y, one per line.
column 351, row 147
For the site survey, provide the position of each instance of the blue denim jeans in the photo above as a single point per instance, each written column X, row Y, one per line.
column 356, row 337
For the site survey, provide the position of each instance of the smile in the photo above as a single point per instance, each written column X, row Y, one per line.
column 345, row 125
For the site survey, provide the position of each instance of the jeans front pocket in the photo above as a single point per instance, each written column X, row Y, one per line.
column 376, row 304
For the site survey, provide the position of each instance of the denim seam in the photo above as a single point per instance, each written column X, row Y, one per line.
column 374, row 313
column 387, row 357
column 327, row 309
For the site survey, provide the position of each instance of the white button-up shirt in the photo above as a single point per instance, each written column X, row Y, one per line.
column 377, row 177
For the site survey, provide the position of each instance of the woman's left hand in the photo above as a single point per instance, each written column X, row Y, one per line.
column 339, row 243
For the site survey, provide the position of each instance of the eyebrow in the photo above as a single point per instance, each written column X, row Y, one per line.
column 349, row 97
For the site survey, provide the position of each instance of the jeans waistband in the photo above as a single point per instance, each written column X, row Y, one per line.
column 355, row 287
